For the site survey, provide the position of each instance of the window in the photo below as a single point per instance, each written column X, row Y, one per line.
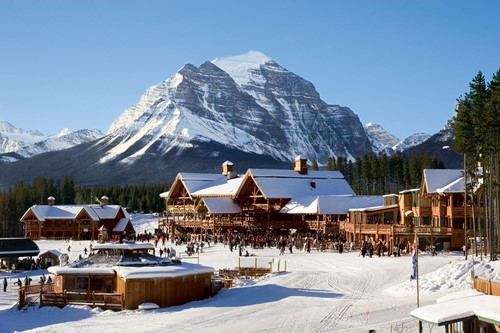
column 96, row 284
column 82, row 283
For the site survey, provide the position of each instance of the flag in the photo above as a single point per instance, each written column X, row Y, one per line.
column 414, row 257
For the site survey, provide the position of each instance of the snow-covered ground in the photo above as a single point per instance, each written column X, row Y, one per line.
column 320, row 292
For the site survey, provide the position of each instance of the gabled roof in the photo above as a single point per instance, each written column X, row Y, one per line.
column 330, row 204
column 291, row 184
column 122, row 224
column 221, row 206
column 444, row 180
column 68, row 212
column 18, row 247
column 226, row 189
column 53, row 252
column 197, row 181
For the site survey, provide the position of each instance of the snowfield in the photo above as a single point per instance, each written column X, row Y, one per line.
column 320, row 292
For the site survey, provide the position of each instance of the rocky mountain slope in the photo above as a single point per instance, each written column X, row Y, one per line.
column 383, row 142
column 17, row 144
column 246, row 109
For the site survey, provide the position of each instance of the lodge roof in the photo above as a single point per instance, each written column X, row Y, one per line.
column 96, row 212
column 228, row 188
column 18, row 247
column 330, row 204
column 291, row 184
column 221, row 206
column 444, row 180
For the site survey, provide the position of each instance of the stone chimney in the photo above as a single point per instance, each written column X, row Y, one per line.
column 104, row 200
column 51, row 201
column 301, row 165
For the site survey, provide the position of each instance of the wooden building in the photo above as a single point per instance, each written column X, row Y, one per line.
column 321, row 201
column 439, row 211
column 52, row 258
column 257, row 201
column 435, row 211
column 53, row 221
column 124, row 276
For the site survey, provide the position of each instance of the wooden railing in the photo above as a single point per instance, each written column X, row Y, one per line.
column 112, row 301
column 35, row 289
column 365, row 228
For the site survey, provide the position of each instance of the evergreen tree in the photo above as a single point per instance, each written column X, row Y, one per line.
column 314, row 165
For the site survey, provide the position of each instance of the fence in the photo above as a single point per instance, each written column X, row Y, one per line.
column 271, row 265
column 487, row 286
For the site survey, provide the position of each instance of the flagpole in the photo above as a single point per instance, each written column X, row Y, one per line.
column 415, row 243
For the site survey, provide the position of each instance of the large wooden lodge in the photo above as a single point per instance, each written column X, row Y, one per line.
column 264, row 200
column 96, row 221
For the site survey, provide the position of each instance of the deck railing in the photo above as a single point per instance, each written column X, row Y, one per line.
column 112, row 301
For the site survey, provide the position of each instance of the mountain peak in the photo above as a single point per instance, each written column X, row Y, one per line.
column 240, row 66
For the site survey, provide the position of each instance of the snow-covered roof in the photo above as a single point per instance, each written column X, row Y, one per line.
column 374, row 208
column 282, row 173
column 96, row 212
column 461, row 307
column 444, row 180
column 129, row 266
column 123, row 246
column 301, row 187
column 221, row 206
column 54, row 252
column 66, row 270
column 121, row 225
column 330, row 204
column 152, row 272
column 226, row 189
column 198, row 181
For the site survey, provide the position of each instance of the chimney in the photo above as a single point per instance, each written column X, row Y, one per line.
column 301, row 165
column 227, row 169
column 104, row 200
column 51, row 201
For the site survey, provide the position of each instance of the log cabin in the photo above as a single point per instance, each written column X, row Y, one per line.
column 126, row 275
column 78, row 222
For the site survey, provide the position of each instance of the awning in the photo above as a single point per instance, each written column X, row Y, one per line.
column 18, row 247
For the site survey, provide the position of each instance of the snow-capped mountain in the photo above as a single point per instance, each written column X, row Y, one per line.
column 16, row 143
column 382, row 142
column 411, row 141
column 440, row 147
column 246, row 109
column 246, row 102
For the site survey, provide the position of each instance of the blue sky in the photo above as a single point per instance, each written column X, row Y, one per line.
column 402, row 64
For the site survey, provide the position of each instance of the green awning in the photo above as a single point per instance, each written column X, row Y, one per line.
column 18, row 247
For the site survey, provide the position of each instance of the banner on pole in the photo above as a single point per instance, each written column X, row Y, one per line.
column 414, row 257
